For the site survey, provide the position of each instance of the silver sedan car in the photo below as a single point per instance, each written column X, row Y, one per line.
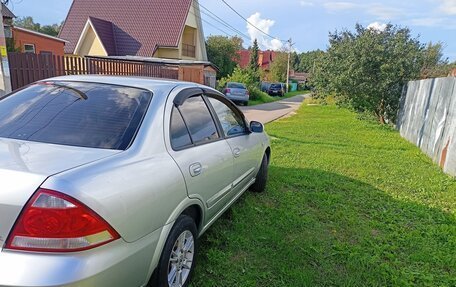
column 109, row 181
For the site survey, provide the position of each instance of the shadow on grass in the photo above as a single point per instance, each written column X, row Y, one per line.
column 315, row 228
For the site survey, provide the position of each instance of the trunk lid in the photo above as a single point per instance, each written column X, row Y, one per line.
column 24, row 166
column 238, row 92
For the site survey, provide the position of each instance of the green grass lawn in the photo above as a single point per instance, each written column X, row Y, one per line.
column 268, row 99
column 349, row 203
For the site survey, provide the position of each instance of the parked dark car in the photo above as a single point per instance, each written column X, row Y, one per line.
column 276, row 90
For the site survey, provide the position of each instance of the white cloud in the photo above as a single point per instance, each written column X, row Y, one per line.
column 448, row 7
column 264, row 25
column 377, row 26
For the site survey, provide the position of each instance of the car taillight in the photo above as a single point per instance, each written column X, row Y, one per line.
column 247, row 93
column 54, row 222
column 228, row 91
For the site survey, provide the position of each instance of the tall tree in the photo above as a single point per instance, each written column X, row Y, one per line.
column 254, row 56
column 222, row 51
column 368, row 68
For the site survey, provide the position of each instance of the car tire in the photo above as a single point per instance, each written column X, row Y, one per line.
column 245, row 103
column 180, row 247
column 262, row 176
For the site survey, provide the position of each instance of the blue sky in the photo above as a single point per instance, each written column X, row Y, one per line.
column 306, row 21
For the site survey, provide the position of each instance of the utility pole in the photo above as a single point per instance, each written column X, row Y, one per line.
column 290, row 44
column 5, row 78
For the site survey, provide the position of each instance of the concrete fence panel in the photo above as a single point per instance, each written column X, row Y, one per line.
column 427, row 118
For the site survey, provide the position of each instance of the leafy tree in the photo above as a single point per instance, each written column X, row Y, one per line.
column 279, row 68
column 434, row 65
column 307, row 60
column 29, row 23
column 368, row 68
column 222, row 51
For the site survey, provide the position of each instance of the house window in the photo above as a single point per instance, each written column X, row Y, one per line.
column 188, row 50
column 188, row 42
column 29, row 48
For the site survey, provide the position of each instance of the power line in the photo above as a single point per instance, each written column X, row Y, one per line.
column 248, row 22
column 226, row 25
column 220, row 20
column 212, row 25
column 242, row 35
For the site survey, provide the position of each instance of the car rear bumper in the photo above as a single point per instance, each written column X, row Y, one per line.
column 116, row 264
column 238, row 98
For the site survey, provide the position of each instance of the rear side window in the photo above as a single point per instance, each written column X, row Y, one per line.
column 199, row 120
column 74, row 113
column 235, row 86
column 179, row 133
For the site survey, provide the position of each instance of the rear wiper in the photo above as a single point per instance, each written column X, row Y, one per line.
column 80, row 93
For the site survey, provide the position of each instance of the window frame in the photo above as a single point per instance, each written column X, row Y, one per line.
column 184, row 95
column 32, row 45
column 217, row 127
column 219, row 124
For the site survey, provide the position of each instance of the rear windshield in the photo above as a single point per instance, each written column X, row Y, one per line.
column 74, row 113
column 235, row 86
column 276, row 86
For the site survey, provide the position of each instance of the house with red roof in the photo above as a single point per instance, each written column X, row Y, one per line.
column 265, row 59
column 145, row 28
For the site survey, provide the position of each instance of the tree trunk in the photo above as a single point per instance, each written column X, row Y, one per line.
column 381, row 112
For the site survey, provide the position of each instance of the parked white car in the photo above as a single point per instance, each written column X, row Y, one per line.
column 109, row 181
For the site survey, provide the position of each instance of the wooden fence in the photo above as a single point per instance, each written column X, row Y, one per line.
column 26, row 68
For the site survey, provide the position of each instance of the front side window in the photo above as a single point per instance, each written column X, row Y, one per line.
column 74, row 113
column 232, row 124
column 199, row 120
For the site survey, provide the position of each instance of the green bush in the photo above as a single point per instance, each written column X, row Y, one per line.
column 256, row 94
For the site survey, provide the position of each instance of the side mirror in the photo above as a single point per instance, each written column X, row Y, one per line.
column 256, row 127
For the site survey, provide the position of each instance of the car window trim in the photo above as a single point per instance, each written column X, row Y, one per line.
column 225, row 136
column 183, row 95
column 188, row 94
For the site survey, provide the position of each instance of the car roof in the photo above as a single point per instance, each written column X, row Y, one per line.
column 156, row 85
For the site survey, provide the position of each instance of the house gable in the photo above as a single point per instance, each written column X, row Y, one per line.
column 90, row 43
column 139, row 26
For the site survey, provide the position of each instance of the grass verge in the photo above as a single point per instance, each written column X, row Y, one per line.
column 348, row 203
column 265, row 98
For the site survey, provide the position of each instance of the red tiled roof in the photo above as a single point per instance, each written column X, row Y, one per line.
column 138, row 27
column 265, row 58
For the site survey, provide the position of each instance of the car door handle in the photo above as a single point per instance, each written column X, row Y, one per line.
column 236, row 152
column 196, row 169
